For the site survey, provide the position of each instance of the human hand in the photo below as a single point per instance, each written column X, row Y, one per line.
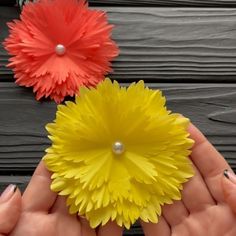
column 45, row 214
column 10, row 208
column 208, row 205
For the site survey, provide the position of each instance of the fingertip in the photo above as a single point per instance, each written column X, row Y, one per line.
column 228, row 180
column 196, row 134
column 16, row 198
column 10, row 211
column 38, row 196
column 229, row 189
column 42, row 170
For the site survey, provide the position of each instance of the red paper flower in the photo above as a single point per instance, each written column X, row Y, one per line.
column 59, row 45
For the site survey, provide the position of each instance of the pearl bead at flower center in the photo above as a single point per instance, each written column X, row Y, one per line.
column 60, row 49
column 118, row 147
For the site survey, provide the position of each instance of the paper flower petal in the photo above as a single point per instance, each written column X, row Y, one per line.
column 118, row 154
column 58, row 46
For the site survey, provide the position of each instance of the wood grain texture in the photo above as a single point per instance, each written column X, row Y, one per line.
column 202, row 3
column 6, row 14
column 157, row 44
column 212, row 107
column 174, row 43
column 165, row 44
column 23, row 139
column 142, row 3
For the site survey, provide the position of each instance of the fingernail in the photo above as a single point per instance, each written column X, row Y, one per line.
column 230, row 175
column 8, row 192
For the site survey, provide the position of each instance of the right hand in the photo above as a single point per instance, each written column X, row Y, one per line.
column 208, row 205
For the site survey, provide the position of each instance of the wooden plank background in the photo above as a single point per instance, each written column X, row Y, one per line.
column 187, row 49
column 160, row 44
column 23, row 136
column 211, row 3
column 198, row 3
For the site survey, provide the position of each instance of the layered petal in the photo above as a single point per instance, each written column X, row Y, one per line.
column 58, row 45
column 118, row 154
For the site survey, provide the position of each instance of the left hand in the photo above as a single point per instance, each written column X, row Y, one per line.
column 44, row 213
column 10, row 209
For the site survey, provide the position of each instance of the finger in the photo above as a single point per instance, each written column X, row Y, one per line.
column 38, row 195
column 10, row 209
column 229, row 189
column 209, row 162
column 64, row 223
column 85, row 227
column 60, row 206
column 195, row 194
column 175, row 213
column 161, row 228
column 111, row 228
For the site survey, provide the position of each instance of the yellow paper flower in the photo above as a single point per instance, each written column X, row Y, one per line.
column 118, row 154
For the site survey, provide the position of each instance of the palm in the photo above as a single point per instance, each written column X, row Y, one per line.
column 45, row 214
column 214, row 221
column 38, row 223
column 202, row 210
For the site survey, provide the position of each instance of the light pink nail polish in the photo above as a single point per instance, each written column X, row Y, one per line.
column 230, row 175
column 8, row 193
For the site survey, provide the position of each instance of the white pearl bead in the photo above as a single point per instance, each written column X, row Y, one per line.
column 60, row 49
column 118, row 147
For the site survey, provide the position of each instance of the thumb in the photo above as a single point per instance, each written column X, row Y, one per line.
column 229, row 189
column 10, row 209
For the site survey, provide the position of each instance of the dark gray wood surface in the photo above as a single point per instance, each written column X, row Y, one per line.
column 23, row 137
column 203, row 3
column 189, row 53
column 165, row 44
column 212, row 107
column 142, row 3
